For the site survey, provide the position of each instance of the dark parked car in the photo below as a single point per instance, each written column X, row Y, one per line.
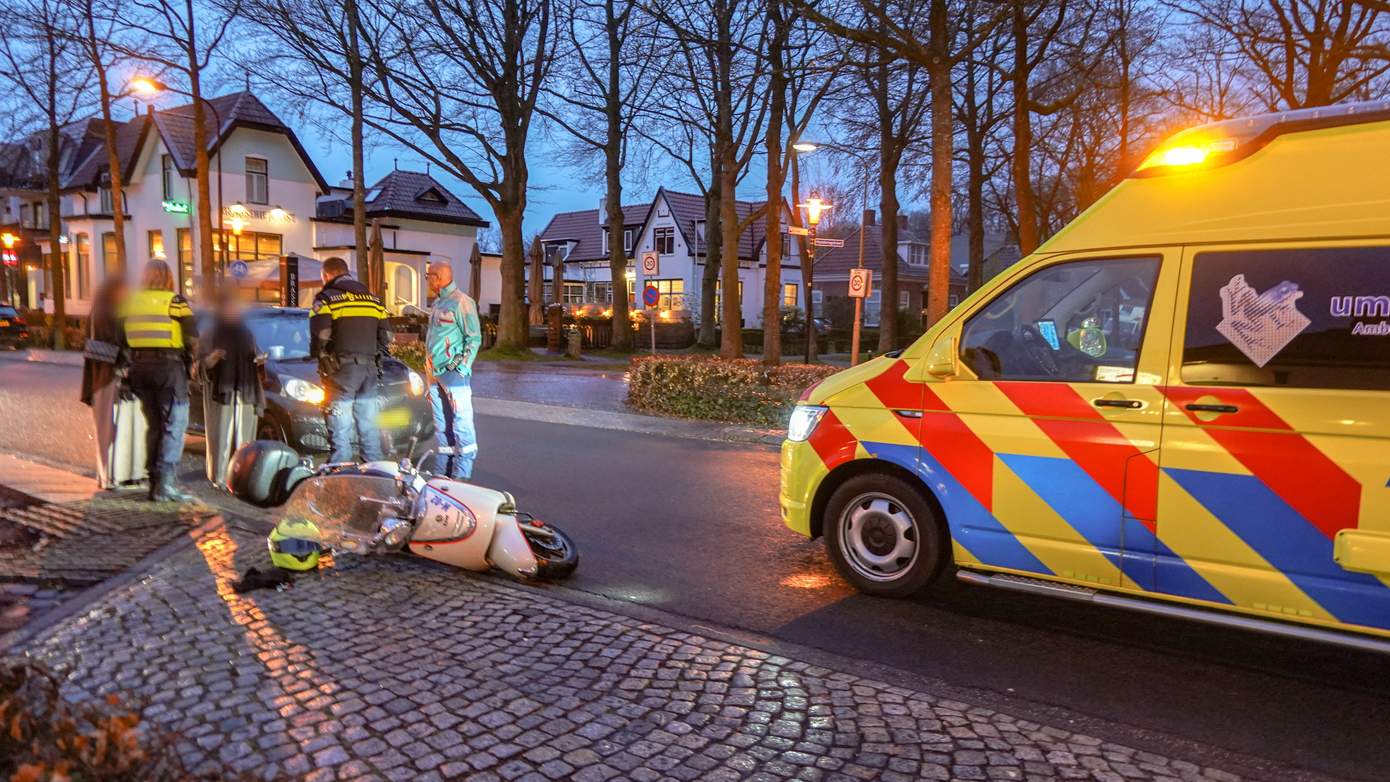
column 13, row 333
column 294, row 394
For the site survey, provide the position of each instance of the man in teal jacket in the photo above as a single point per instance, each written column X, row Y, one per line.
column 452, row 342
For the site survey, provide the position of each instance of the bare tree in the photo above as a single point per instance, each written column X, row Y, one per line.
column 95, row 30
column 313, row 54
column 181, row 37
column 48, row 73
column 718, row 102
column 458, row 81
column 927, row 33
column 610, row 43
column 1303, row 53
column 981, row 111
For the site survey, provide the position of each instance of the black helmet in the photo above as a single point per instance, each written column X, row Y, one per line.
column 264, row 472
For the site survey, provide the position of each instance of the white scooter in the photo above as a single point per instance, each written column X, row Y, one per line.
column 381, row 507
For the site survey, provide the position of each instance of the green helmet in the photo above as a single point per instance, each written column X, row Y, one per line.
column 294, row 545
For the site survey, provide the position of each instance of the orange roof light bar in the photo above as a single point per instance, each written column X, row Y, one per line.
column 1222, row 143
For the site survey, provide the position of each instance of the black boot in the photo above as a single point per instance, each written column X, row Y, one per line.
column 166, row 490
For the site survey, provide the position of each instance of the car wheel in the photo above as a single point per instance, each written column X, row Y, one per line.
column 883, row 536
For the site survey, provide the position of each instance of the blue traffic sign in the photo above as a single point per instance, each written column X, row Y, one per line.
column 238, row 269
column 650, row 295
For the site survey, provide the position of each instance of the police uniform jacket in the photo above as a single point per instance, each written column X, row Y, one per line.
column 157, row 322
column 347, row 321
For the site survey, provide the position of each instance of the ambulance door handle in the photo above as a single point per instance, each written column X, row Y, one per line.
column 1201, row 408
column 909, row 413
column 1128, row 404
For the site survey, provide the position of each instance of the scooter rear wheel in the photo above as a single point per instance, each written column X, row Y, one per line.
column 556, row 554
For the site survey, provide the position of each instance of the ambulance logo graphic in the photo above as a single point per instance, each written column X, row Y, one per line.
column 1260, row 324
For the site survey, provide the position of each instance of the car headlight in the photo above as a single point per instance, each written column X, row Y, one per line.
column 417, row 384
column 803, row 422
column 304, row 391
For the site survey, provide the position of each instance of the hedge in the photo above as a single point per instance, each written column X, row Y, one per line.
column 719, row 389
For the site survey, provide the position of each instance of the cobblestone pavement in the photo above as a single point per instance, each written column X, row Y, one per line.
column 398, row 668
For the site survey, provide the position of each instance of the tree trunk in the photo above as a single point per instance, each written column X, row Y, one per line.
column 613, row 175
column 58, row 254
column 888, row 290
column 890, row 155
column 1025, row 199
column 772, row 280
column 200, row 158
column 709, row 276
column 942, row 153
column 359, row 185
column 731, row 313
column 113, row 158
column 512, row 331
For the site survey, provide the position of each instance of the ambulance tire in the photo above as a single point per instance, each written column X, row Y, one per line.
column 884, row 537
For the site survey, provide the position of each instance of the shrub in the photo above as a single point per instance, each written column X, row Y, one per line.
column 411, row 353
column 719, row 389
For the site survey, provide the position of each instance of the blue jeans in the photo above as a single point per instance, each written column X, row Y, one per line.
column 451, row 399
column 351, row 411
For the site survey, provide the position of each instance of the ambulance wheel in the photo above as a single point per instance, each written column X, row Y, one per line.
column 883, row 536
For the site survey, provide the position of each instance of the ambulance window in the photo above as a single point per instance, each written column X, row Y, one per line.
column 1299, row 318
column 1077, row 322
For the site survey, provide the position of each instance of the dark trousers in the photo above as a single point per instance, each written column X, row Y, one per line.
column 161, row 385
column 350, row 411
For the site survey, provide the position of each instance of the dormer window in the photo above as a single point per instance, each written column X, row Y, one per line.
column 432, row 196
column 917, row 255
column 104, row 193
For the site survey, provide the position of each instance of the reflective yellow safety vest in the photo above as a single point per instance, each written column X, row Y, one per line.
column 152, row 320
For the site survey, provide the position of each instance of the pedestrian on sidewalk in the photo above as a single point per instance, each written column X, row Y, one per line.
column 452, row 343
column 120, row 425
column 349, row 335
column 158, row 340
column 233, row 398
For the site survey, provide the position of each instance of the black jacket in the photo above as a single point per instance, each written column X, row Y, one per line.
column 347, row 321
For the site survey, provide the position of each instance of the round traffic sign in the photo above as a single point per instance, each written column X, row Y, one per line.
column 650, row 295
column 238, row 269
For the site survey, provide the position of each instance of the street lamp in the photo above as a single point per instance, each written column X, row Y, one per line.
column 150, row 88
column 813, row 206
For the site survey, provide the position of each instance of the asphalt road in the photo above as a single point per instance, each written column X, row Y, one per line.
column 692, row 528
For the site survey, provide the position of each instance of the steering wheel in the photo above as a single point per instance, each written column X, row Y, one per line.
column 1037, row 349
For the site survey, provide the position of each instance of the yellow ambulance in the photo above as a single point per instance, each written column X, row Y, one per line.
column 1179, row 404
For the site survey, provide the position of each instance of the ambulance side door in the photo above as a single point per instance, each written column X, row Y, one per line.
column 1058, row 392
column 1276, row 440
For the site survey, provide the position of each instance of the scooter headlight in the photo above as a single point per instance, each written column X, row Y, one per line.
column 417, row 383
column 304, row 391
column 803, row 421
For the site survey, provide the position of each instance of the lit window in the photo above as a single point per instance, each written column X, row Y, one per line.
column 789, row 295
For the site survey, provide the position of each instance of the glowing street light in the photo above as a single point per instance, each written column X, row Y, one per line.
column 9, row 240
column 147, row 87
column 814, row 206
column 804, row 147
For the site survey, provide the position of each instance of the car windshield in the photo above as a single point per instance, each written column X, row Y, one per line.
column 283, row 335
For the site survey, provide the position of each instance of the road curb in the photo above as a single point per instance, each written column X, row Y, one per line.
column 626, row 422
column 67, row 358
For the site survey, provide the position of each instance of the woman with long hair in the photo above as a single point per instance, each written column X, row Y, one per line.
column 120, row 425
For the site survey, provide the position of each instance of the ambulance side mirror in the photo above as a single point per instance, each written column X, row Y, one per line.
column 942, row 358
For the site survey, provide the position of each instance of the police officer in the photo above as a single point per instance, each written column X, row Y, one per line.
column 349, row 334
column 158, row 337
column 452, row 343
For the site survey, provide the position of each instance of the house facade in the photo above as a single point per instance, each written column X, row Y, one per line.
column 673, row 226
column 268, row 200
column 830, row 282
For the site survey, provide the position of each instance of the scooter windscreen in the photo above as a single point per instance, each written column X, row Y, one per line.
column 347, row 510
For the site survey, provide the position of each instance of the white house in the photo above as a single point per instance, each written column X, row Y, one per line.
column 268, row 200
column 673, row 226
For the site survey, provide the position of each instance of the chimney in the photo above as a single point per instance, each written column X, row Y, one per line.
column 902, row 222
column 869, row 217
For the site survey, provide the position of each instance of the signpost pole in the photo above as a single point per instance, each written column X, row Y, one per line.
column 810, row 328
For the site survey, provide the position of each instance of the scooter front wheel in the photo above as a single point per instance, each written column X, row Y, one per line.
column 555, row 552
